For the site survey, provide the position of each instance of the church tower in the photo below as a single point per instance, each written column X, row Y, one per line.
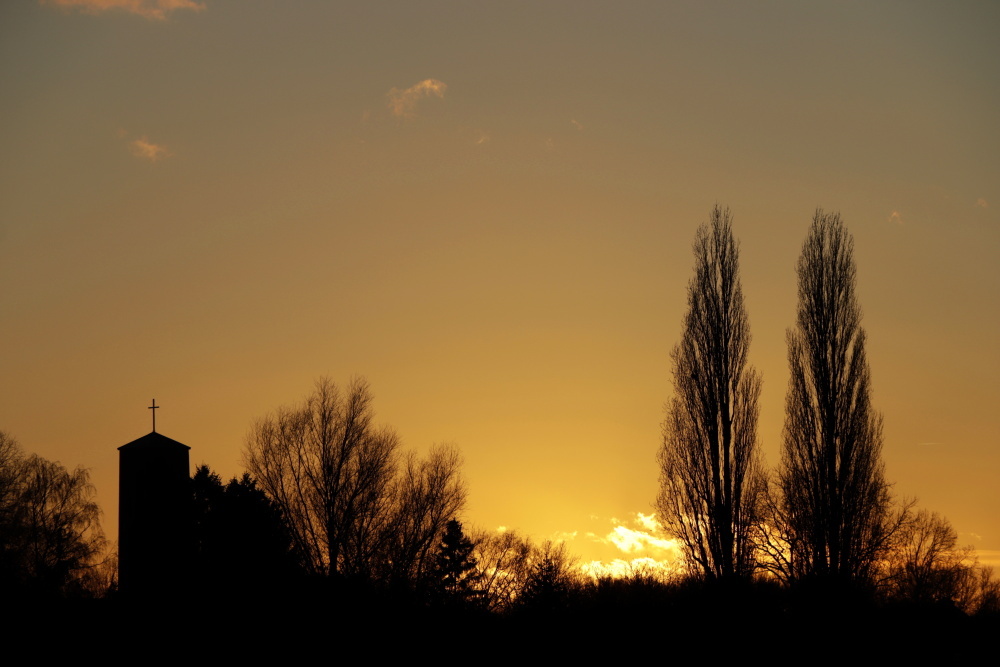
column 154, row 516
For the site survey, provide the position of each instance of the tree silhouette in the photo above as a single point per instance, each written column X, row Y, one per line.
column 835, row 504
column 710, row 477
column 242, row 547
column 427, row 492
column 330, row 470
column 50, row 532
column 550, row 581
column 504, row 560
column 456, row 579
column 350, row 507
column 927, row 567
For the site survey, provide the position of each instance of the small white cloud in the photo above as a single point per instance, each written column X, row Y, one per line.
column 150, row 9
column 143, row 148
column 403, row 103
column 550, row 145
column 647, row 521
column 578, row 125
column 482, row 137
column 896, row 217
column 981, row 203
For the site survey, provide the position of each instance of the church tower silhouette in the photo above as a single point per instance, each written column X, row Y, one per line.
column 154, row 516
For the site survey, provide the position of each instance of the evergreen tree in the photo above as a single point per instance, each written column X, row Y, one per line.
column 242, row 546
column 456, row 577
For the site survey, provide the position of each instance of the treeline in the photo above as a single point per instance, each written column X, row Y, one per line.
column 396, row 545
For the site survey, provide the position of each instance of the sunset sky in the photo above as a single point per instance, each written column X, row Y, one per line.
column 487, row 209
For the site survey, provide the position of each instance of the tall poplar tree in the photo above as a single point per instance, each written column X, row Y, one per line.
column 710, row 477
column 835, row 500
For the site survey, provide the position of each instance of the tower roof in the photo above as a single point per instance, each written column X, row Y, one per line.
column 154, row 441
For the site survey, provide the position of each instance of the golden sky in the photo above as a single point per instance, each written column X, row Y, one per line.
column 487, row 209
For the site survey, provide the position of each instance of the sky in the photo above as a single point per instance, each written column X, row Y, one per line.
column 487, row 210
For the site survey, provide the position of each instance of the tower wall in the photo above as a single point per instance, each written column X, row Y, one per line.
column 154, row 520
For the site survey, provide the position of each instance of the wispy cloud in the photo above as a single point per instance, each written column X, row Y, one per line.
column 896, row 217
column 150, row 9
column 403, row 103
column 981, row 203
column 482, row 137
column 629, row 540
column 564, row 536
column 147, row 150
column 578, row 125
column 989, row 557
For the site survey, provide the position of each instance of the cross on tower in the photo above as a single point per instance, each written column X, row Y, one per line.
column 154, row 407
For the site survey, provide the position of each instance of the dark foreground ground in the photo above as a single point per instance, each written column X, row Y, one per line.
column 755, row 627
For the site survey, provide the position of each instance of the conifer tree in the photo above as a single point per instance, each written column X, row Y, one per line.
column 456, row 577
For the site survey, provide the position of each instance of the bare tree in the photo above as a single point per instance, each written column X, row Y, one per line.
column 927, row 566
column 50, row 532
column 427, row 494
column 352, row 507
column 709, row 470
column 505, row 563
column 552, row 579
column 12, row 471
column 330, row 470
column 835, row 504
